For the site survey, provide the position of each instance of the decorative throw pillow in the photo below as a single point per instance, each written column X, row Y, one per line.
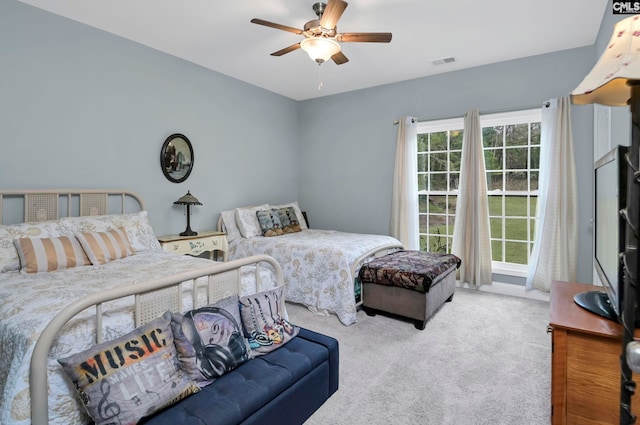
column 210, row 341
column 230, row 226
column 248, row 222
column 289, row 220
column 102, row 247
column 299, row 215
column 269, row 222
column 49, row 254
column 264, row 320
column 124, row 380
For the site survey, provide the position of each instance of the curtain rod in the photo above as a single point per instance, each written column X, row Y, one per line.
column 547, row 104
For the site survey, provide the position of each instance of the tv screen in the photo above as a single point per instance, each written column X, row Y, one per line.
column 610, row 197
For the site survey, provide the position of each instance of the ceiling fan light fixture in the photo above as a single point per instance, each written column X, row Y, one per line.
column 320, row 49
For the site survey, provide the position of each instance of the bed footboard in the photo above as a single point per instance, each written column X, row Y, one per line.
column 222, row 280
column 366, row 257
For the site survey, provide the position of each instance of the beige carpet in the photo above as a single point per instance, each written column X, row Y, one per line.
column 482, row 359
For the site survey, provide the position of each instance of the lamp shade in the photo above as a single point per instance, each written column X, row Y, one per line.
column 607, row 83
column 188, row 199
column 320, row 49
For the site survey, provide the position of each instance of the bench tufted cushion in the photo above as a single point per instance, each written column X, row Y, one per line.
column 284, row 386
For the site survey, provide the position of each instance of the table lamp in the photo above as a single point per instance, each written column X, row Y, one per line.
column 188, row 200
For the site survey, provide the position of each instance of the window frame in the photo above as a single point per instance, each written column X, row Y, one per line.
column 490, row 120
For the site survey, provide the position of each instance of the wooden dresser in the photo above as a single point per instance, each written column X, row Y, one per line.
column 585, row 366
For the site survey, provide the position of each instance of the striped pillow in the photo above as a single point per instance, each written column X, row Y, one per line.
column 102, row 247
column 48, row 254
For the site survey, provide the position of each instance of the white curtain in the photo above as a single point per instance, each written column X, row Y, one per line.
column 471, row 234
column 404, row 198
column 556, row 241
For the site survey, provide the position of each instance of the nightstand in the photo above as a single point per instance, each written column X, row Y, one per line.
column 196, row 245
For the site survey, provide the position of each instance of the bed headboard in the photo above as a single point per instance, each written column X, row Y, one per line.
column 18, row 206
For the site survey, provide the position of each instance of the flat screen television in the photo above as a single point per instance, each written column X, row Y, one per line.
column 610, row 181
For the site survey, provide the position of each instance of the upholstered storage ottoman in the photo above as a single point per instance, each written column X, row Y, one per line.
column 412, row 284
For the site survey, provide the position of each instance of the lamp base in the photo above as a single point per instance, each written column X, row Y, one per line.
column 189, row 232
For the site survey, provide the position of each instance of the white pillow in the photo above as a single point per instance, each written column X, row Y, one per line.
column 247, row 220
column 230, row 226
column 301, row 220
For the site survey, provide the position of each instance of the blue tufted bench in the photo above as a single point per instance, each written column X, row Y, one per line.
column 283, row 387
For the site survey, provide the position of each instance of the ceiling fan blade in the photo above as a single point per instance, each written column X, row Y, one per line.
column 332, row 13
column 364, row 37
column 286, row 50
column 276, row 26
column 339, row 58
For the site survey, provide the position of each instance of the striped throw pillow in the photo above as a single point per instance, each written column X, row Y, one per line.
column 49, row 254
column 103, row 247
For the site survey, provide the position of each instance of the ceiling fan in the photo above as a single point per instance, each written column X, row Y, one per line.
column 321, row 35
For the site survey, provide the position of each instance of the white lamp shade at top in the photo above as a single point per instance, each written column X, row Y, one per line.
column 620, row 63
column 320, row 49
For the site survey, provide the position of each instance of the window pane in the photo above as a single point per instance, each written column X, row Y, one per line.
column 532, row 226
column 422, row 203
column 533, row 201
column 496, row 227
column 438, row 161
column 496, row 250
column 515, row 206
column 516, row 180
column 517, row 135
column 438, row 181
column 422, row 181
column 422, row 162
column 437, row 224
column 454, row 160
column 535, row 158
column 494, row 181
column 423, row 142
column 516, row 252
column 516, row 228
column 493, row 159
column 423, row 220
column 516, row 159
column 439, row 141
column 534, row 180
column 535, row 133
column 455, row 141
column 454, row 181
column 453, row 200
column 438, row 243
column 437, row 204
column 492, row 136
column 495, row 205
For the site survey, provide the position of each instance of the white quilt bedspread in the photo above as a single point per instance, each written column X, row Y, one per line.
column 29, row 301
column 316, row 265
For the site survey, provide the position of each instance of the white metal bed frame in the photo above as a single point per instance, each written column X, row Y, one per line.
column 47, row 204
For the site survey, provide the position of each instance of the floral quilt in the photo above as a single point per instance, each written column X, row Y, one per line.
column 317, row 265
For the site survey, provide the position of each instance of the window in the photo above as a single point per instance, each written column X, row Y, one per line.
column 512, row 161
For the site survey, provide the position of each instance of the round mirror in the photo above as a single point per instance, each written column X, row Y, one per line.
column 176, row 158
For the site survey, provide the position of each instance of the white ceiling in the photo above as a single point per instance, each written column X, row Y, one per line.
column 219, row 36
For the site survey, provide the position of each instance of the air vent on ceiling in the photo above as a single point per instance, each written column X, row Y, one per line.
column 442, row 61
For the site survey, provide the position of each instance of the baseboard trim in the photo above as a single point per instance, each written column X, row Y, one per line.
column 510, row 289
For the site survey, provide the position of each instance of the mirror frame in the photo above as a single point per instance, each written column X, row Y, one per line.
column 165, row 158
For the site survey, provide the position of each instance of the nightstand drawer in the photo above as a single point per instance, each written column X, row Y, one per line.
column 196, row 245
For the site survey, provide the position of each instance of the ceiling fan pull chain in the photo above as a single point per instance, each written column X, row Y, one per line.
column 320, row 83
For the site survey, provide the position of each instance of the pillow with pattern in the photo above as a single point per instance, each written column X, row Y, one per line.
column 264, row 321
column 49, row 254
column 289, row 220
column 269, row 222
column 124, row 380
column 298, row 216
column 210, row 341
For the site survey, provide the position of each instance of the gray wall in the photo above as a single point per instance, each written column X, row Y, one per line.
column 83, row 108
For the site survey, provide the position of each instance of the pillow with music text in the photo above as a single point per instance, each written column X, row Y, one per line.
column 123, row 380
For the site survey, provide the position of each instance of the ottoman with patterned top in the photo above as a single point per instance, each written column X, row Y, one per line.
column 412, row 284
